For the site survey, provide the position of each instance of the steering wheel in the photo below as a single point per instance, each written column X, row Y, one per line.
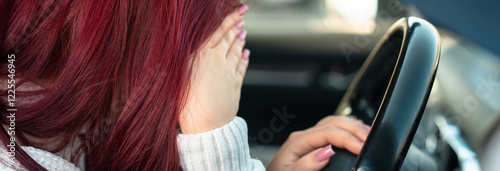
column 391, row 91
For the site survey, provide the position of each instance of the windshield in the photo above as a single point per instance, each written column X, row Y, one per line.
column 476, row 20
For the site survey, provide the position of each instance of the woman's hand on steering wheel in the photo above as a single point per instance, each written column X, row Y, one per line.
column 310, row 149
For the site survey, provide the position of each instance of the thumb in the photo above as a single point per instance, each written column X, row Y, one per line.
column 314, row 160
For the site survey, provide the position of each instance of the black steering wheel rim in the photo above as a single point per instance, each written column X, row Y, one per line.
column 391, row 89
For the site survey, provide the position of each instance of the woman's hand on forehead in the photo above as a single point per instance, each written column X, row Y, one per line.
column 217, row 77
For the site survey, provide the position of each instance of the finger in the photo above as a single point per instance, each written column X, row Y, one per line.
column 314, row 160
column 228, row 40
column 228, row 23
column 236, row 50
column 317, row 137
column 353, row 126
column 243, row 65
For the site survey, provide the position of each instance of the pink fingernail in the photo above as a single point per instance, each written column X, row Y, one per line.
column 243, row 9
column 246, row 54
column 240, row 24
column 367, row 128
column 324, row 154
column 242, row 35
column 362, row 143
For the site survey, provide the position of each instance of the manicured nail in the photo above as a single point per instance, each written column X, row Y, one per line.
column 240, row 24
column 243, row 9
column 362, row 143
column 246, row 54
column 324, row 154
column 242, row 35
column 367, row 128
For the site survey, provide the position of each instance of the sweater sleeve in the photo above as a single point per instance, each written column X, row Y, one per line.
column 224, row 148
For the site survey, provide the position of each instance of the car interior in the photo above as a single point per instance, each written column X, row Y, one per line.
column 314, row 58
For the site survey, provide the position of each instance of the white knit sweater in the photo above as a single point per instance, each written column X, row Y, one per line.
column 224, row 148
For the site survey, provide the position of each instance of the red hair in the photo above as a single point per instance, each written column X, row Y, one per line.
column 117, row 70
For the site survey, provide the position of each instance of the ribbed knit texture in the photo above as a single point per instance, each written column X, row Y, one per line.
column 47, row 159
column 224, row 148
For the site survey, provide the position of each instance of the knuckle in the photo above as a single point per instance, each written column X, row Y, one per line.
column 342, row 133
column 332, row 118
column 235, row 16
column 327, row 129
column 336, row 116
column 359, row 132
column 238, row 47
column 295, row 135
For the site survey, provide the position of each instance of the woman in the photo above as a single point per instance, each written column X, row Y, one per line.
column 137, row 85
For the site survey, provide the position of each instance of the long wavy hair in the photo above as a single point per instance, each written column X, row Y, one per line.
column 116, row 73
